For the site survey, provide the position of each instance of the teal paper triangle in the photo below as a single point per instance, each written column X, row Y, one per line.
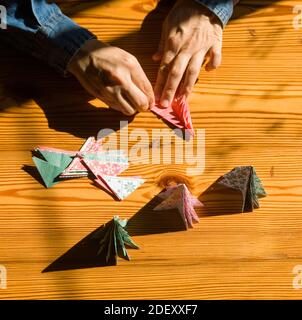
column 48, row 171
column 57, row 159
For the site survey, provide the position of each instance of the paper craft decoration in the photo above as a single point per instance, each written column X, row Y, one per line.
column 103, row 166
column 113, row 239
column 51, row 166
column 241, row 186
column 180, row 197
column 121, row 187
column 76, row 168
column 109, row 163
column 177, row 114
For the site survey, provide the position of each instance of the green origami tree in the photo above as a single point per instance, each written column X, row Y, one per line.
column 113, row 239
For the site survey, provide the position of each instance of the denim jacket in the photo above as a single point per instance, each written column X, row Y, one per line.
column 42, row 30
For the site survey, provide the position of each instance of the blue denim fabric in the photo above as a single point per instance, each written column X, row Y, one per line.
column 42, row 30
column 223, row 9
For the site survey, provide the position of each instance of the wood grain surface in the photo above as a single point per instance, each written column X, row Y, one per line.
column 251, row 112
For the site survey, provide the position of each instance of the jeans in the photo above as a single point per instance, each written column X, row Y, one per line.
column 43, row 31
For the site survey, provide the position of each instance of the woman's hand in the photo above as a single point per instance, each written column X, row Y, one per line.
column 113, row 76
column 190, row 32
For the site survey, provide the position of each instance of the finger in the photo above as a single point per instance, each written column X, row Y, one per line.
column 171, row 50
column 141, row 81
column 175, row 75
column 108, row 95
column 191, row 74
column 89, row 86
column 215, row 58
column 159, row 53
column 124, row 104
column 136, row 97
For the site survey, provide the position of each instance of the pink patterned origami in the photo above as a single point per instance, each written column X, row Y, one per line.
column 180, row 197
column 103, row 165
column 120, row 187
column 177, row 114
column 77, row 168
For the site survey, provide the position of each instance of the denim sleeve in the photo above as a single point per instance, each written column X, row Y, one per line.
column 223, row 9
column 43, row 31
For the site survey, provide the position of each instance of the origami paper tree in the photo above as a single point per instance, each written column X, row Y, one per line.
column 91, row 158
column 243, row 182
column 113, row 239
column 180, row 197
column 177, row 114
column 51, row 166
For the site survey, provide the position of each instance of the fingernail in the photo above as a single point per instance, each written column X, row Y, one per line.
column 165, row 103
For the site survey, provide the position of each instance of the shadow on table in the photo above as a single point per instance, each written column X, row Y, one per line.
column 81, row 255
column 64, row 102
column 145, row 221
column 220, row 202
column 67, row 109
column 32, row 171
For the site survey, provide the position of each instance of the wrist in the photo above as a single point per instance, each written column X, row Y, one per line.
column 84, row 51
column 223, row 10
column 200, row 9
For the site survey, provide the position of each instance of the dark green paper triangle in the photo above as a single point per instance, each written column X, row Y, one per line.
column 48, row 172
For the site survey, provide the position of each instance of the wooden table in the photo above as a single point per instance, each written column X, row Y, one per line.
column 251, row 112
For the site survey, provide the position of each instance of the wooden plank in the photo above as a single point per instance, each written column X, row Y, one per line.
column 251, row 112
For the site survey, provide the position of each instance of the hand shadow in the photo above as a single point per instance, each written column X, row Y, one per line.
column 64, row 102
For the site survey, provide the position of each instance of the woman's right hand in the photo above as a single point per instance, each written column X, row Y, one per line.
column 113, row 76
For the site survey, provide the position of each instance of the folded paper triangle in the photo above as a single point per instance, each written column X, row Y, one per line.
column 113, row 239
column 177, row 114
column 104, row 166
column 107, row 163
column 180, row 197
column 76, row 167
column 53, row 165
column 242, row 181
column 57, row 159
column 121, row 187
